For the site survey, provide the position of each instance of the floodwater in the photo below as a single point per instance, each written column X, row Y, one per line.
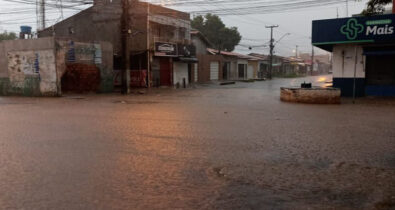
column 211, row 147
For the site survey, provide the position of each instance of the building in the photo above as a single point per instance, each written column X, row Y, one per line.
column 363, row 53
column 158, row 40
column 322, row 63
column 280, row 67
column 50, row 67
column 209, row 65
column 237, row 66
column 262, row 65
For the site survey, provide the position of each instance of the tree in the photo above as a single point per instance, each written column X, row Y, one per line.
column 7, row 36
column 375, row 7
column 212, row 27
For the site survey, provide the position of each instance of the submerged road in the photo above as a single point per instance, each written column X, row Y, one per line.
column 213, row 147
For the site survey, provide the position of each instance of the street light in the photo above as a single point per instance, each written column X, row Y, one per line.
column 283, row 37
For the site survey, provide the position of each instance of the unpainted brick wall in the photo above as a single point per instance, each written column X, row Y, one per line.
column 81, row 78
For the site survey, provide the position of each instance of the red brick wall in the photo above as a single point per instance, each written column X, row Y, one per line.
column 204, row 66
column 81, row 78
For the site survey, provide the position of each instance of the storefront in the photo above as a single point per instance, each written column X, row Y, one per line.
column 363, row 53
column 172, row 64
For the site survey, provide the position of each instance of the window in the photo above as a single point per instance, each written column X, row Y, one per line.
column 181, row 33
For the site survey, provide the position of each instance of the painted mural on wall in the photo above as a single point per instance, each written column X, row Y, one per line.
column 32, row 69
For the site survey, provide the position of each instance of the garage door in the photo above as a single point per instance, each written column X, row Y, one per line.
column 214, row 70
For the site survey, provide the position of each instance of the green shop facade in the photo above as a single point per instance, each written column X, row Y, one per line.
column 363, row 53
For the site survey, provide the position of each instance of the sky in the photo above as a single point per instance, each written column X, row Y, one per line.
column 295, row 23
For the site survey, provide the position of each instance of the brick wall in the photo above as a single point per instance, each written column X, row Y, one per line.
column 204, row 66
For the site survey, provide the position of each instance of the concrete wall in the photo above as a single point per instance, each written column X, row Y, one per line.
column 234, row 72
column 91, row 24
column 201, row 47
column 34, row 67
column 29, row 67
column 255, row 66
column 343, row 69
column 99, row 54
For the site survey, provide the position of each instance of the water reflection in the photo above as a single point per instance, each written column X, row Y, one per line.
column 158, row 172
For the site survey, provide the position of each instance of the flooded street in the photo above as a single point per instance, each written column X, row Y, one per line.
column 211, row 147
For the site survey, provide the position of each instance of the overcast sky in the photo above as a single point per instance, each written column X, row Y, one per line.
column 251, row 27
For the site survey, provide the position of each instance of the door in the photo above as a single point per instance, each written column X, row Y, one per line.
column 165, row 72
column 225, row 71
column 250, row 72
column 241, row 69
column 214, row 70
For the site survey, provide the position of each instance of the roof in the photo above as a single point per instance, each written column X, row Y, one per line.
column 260, row 56
column 233, row 54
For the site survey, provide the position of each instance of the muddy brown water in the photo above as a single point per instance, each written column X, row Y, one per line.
column 210, row 147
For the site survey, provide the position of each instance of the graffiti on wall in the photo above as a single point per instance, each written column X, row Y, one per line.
column 84, row 53
column 38, row 64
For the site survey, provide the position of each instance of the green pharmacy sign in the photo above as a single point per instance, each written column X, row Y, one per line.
column 373, row 29
column 352, row 29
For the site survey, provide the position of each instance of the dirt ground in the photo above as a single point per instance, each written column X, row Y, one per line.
column 209, row 147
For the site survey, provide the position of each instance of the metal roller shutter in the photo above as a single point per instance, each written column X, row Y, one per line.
column 214, row 70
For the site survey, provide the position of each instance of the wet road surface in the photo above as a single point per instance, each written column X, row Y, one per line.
column 212, row 147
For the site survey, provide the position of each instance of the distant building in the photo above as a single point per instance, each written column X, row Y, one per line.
column 282, row 66
column 322, row 63
column 237, row 66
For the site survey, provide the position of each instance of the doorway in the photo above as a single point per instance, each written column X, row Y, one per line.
column 225, row 71
column 165, row 72
column 380, row 75
column 241, row 69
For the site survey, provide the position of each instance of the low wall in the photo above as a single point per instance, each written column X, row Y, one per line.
column 27, row 67
column 34, row 67
column 100, row 54
column 313, row 95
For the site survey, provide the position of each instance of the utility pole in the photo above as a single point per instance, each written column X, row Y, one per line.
column 312, row 59
column 296, row 51
column 346, row 8
column 271, row 49
column 125, row 25
column 40, row 13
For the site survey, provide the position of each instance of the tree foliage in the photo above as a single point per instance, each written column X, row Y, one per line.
column 212, row 27
column 7, row 36
column 375, row 7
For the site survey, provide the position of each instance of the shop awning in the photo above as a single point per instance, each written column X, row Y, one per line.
column 187, row 60
column 379, row 52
